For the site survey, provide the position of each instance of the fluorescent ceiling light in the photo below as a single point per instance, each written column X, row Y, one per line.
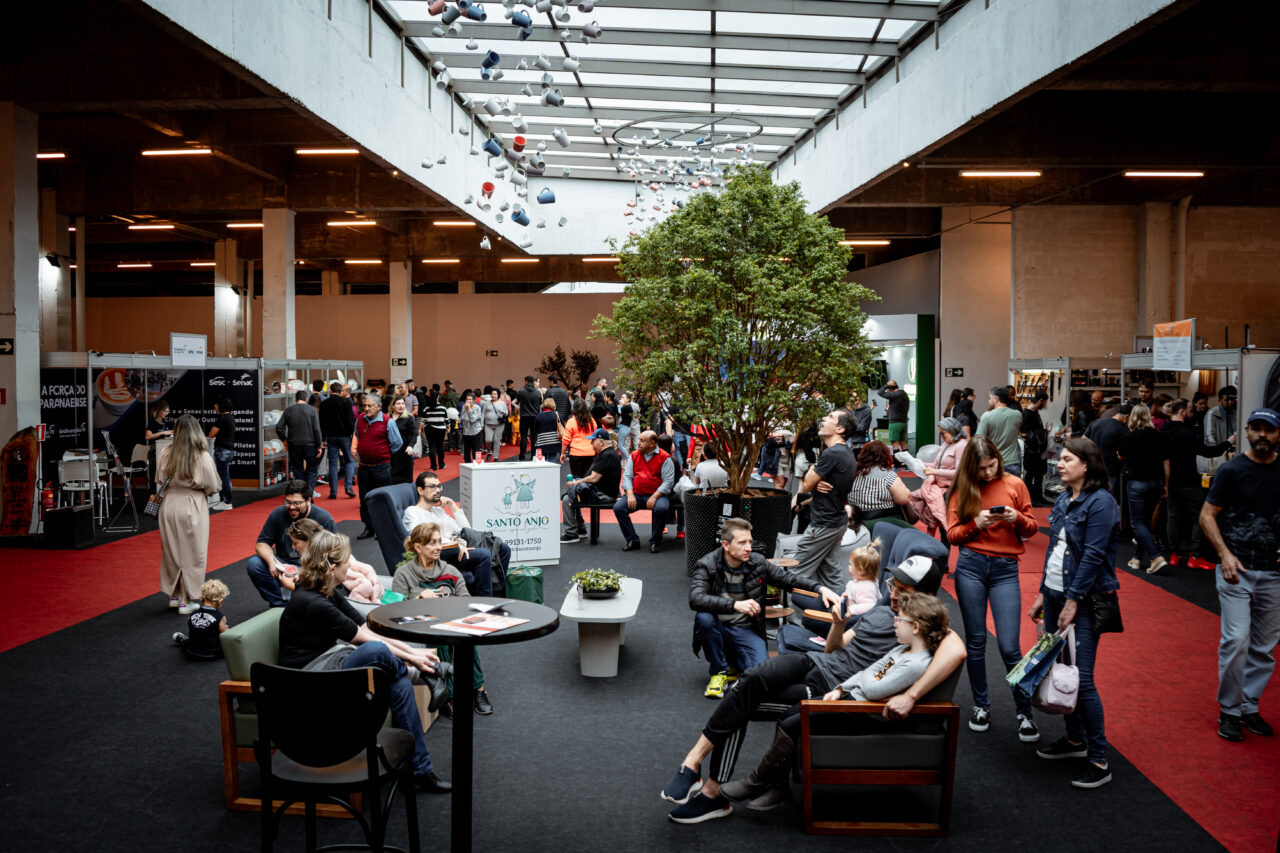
column 864, row 242
column 169, row 227
column 442, row 260
column 351, row 222
column 51, row 155
column 362, row 261
column 1000, row 173
column 175, row 152
column 244, row 224
column 454, row 223
column 1162, row 174
column 133, row 266
column 347, row 151
column 520, row 260
column 202, row 263
column 72, row 229
column 600, row 260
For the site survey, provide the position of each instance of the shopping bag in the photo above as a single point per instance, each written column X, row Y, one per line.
column 1057, row 691
column 525, row 583
column 1033, row 667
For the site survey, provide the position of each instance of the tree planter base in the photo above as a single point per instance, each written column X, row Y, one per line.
column 768, row 510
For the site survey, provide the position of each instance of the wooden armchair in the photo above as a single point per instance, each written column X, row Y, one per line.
column 841, row 745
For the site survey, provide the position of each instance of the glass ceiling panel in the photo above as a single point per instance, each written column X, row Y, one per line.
column 796, row 25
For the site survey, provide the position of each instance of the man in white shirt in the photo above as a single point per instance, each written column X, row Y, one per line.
column 476, row 564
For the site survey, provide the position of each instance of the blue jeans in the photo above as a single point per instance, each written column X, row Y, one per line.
column 661, row 508
column 404, row 708
column 794, row 639
column 222, row 461
column 267, row 586
column 304, row 463
column 1014, row 469
column 340, row 448
column 1085, row 723
column 1250, row 628
column 680, row 443
column 981, row 578
column 477, row 568
column 1143, row 497
column 746, row 646
column 624, row 438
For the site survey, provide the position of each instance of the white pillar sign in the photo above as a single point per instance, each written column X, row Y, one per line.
column 518, row 502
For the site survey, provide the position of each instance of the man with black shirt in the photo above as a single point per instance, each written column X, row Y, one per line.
column 1186, row 494
column 561, row 396
column 223, row 434
column 861, row 412
column 600, row 485
column 530, row 400
column 299, row 427
column 337, row 425
column 829, row 480
column 1107, row 432
column 1036, row 437
column 274, row 545
column 1241, row 517
column 896, row 411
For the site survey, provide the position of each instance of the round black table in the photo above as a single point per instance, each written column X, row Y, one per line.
column 542, row 621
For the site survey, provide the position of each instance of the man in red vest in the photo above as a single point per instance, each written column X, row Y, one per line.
column 377, row 443
column 648, row 478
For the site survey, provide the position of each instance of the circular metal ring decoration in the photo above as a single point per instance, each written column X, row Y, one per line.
column 697, row 130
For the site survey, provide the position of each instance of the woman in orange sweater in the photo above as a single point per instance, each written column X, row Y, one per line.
column 577, row 439
column 988, row 518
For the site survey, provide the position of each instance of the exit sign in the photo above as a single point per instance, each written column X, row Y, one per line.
column 491, row 353
column 399, row 362
column 955, row 372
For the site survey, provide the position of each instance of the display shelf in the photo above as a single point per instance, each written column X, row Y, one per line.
column 303, row 372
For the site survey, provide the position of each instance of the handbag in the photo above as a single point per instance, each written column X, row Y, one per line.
column 153, row 502
column 1106, row 612
column 1057, row 692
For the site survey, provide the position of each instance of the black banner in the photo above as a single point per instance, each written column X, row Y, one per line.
column 64, row 410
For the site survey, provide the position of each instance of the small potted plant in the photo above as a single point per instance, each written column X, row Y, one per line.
column 598, row 583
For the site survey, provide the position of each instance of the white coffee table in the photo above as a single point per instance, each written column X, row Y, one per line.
column 602, row 626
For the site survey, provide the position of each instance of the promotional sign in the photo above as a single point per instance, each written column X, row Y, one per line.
column 187, row 350
column 1171, row 345
column 64, row 411
column 519, row 502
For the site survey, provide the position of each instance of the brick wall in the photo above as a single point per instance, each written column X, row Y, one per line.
column 1233, row 273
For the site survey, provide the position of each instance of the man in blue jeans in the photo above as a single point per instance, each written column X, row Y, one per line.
column 728, row 593
column 275, row 545
column 337, row 425
column 1241, row 518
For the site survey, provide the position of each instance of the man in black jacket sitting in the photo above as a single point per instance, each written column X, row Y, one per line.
column 728, row 595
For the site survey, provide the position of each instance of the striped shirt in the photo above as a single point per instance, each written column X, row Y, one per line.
column 870, row 491
column 436, row 417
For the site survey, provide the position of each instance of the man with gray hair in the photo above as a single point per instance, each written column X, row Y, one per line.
column 377, row 443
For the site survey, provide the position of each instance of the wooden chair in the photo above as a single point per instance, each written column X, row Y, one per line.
column 842, row 746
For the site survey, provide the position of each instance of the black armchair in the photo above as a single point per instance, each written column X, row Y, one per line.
column 321, row 737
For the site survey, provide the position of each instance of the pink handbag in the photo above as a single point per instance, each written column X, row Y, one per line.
column 1057, row 691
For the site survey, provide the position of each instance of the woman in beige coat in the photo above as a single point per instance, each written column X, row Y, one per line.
column 184, row 514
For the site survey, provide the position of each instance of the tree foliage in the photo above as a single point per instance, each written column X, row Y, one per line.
column 737, row 305
column 555, row 364
column 584, row 363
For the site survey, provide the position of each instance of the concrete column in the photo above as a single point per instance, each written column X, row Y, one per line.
column 278, row 334
column 55, row 282
column 81, row 281
column 400, row 317
column 226, row 302
column 975, row 282
column 467, row 287
column 1155, row 266
column 19, row 257
column 247, row 275
column 330, row 283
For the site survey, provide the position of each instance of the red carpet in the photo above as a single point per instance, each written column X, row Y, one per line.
column 1158, row 681
column 46, row 589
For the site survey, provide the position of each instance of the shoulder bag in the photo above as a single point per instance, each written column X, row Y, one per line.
column 153, row 502
column 1056, row 694
column 1106, row 612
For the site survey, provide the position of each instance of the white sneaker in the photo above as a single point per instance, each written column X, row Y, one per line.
column 1135, row 564
column 174, row 602
column 189, row 608
column 220, row 506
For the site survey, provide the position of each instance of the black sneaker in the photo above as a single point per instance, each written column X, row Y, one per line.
column 1062, row 748
column 980, row 719
column 632, row 546
column 1092, row 776
column 701, row 808
column 1229, row 727
column 432, row 784
column 682, row 786
column 571, row 538
column 482, row 704
column 1254, row 723
column 1027, row 731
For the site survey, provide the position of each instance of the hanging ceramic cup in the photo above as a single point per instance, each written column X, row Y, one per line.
column 475, row 12
column 450, row 14
column 518, row 143
column 570, row 64
column 521, row 19
column 592, row 30
column 553, row 98
column 492, row 148
column 546, row 196
column 518, row 178
column 520, row 217
column 561, row 137
column 486, row 189
column 436, row 7
column 542, row 62
column 491, row 58
column 484, row 243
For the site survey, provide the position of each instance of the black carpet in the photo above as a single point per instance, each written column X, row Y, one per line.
column 113, row 745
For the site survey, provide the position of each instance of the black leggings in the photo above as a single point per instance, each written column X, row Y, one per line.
column 435, row 447
column 776, row 685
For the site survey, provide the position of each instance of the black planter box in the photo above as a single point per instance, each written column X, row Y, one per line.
column 769, row 514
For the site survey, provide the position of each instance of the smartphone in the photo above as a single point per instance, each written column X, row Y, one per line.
column 997, row 510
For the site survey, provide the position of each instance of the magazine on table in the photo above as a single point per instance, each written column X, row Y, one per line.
column 480, row 624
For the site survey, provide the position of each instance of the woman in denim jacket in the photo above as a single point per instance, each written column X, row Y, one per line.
column 1083, row 530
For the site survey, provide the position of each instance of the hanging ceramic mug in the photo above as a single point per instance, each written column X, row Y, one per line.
column 484, row 243
column 520, row 217
column 436, row 7
column 443, row 80
column 492, row 148
column 542, row 62
column 450, row 14
column 546, row 196
column 553, row 98
column 570, row 64
column 491, row 58
column 561, row 137
column 521, row 19
column 518, row 143
column 486, row 189
column 592, row 30
column 475, row 12
column 518, row 178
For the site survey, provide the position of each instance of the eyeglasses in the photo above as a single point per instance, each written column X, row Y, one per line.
column 904, row 619
column 295, row 503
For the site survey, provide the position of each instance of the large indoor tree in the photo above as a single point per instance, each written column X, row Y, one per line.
column 737, row 307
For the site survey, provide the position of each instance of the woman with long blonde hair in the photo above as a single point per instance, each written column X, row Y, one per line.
column 191, row 477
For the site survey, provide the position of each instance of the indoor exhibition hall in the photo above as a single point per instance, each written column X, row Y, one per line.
column 640, row 425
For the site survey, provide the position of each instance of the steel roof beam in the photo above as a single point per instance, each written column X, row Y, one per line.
column 645, row 93
column 687, row 69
